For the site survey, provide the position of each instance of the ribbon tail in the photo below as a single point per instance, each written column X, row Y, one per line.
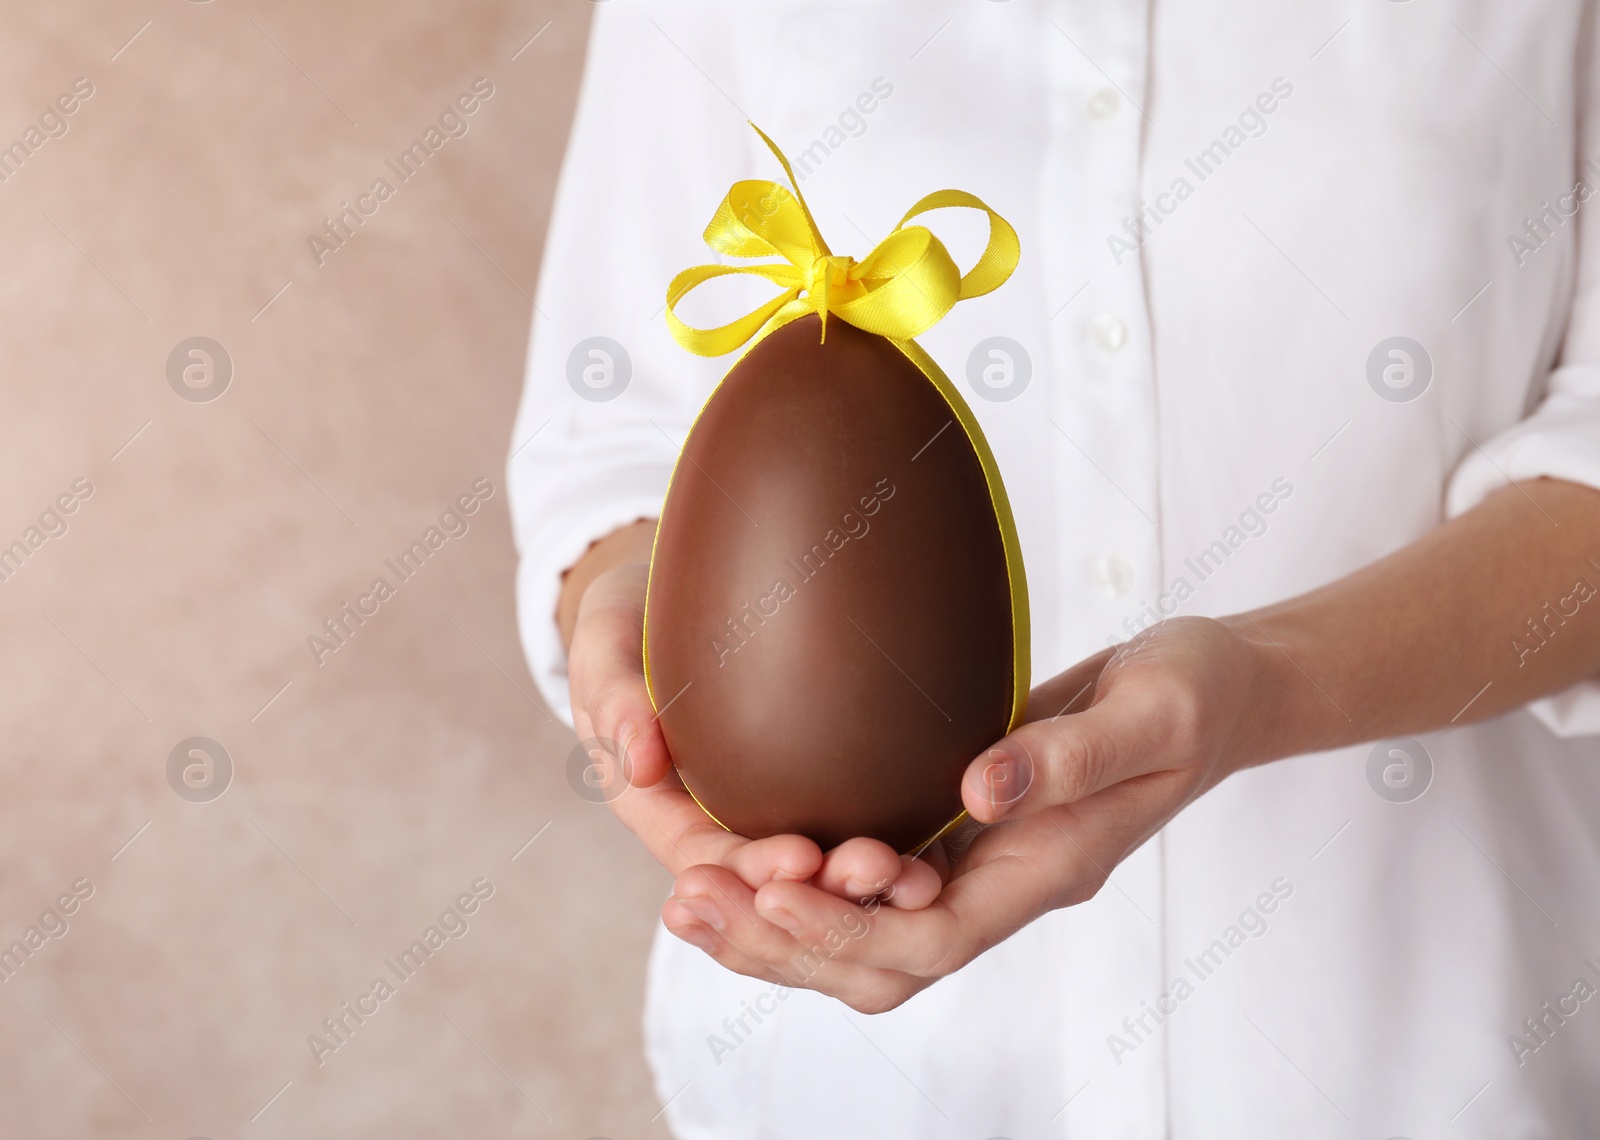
column 816, row 234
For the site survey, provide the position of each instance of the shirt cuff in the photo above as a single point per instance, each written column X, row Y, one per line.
column 1561, row 440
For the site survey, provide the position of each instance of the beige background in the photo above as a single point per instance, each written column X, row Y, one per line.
column 375, row 787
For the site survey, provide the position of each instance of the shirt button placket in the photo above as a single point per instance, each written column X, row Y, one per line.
column 1103, row 402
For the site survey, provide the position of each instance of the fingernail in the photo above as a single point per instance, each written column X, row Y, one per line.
column 705, row 910
column 999, row 773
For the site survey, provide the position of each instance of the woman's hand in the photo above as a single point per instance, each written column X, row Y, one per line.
column 1477, row 617
column 1069, row 794
column 602, row 616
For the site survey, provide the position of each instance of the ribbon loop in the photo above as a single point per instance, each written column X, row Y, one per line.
column 1000, row 254
column 905, row 285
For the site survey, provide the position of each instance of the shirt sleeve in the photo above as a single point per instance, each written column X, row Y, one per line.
column 1560, row 437
column 608, row 396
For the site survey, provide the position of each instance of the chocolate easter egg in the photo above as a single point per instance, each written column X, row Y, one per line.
column 836, row 621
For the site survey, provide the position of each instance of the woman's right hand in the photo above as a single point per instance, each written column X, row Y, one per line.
column 613, row 714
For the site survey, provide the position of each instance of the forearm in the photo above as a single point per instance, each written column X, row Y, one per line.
column 1483, row 614
column 623, row 546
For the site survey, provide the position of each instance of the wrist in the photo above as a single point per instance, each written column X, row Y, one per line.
column 1286, row 713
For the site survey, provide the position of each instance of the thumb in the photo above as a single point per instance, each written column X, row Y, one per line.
column 1069, row 757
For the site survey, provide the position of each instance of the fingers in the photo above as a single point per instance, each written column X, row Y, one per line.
column 1130, row 732
column 717, row 900
column 618, row 713
column 873, row 957
column 713, row 910
column 606, row 667
column 1069, row 692
column 858, row 869
column 862, row 869
column 926, row 943
column 996, row 782
column 699, row 924
column 644, row 756
column 917, row 885
column 779, row 858
column 677, row 832
column 610, row 703
column 1011, row 875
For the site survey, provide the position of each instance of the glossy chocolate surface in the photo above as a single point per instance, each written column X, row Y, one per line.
column 829, row 621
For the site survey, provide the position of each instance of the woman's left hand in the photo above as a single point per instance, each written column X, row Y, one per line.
column 1058, row 804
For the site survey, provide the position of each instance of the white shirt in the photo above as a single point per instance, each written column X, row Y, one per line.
column 1208, row 415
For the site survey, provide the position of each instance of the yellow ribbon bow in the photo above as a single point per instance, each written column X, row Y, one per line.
column 902, row 288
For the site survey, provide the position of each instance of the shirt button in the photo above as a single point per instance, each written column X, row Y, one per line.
column 1103, row 105
column 1108, row 332
column 1113, row 577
